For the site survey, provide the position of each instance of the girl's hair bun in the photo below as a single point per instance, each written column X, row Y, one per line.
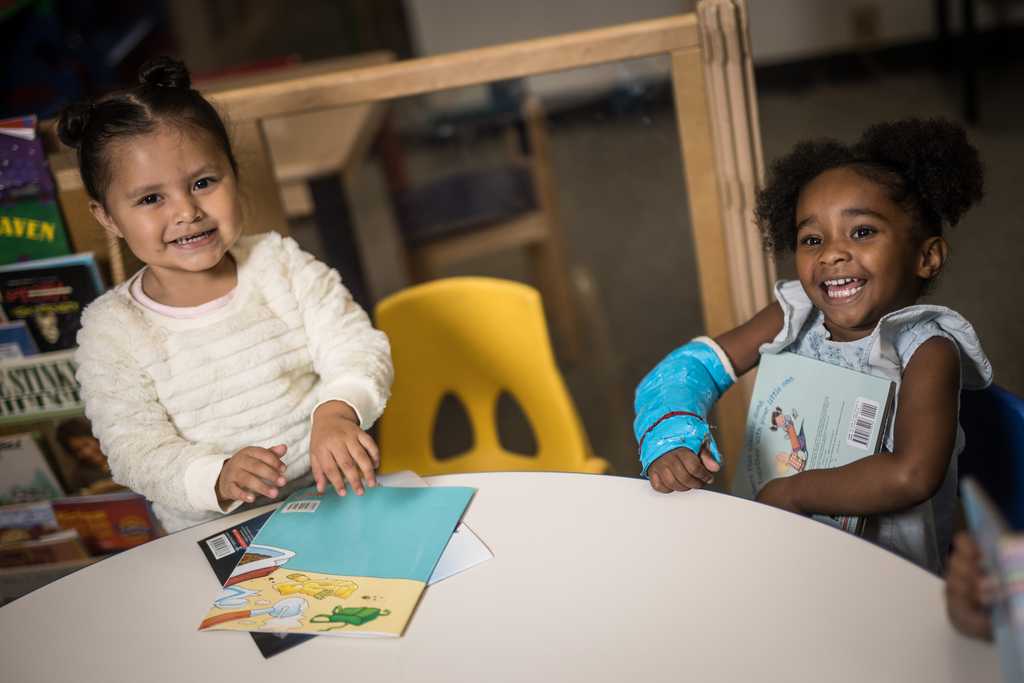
column 934, row 157
column 72, row 124
column 165, row 72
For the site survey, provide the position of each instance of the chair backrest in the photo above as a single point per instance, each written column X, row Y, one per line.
column 993, row 422
column 475, row 337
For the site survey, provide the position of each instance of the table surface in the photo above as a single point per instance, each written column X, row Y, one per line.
column 594, row 578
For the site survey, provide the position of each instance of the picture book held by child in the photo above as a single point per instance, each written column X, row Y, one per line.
column 233, row 367
column 865, row 225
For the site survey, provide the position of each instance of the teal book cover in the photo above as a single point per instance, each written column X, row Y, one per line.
column 340, row 565
column 808, row 414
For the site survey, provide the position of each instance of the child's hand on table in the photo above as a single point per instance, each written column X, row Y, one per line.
column 340, row 451
column 969, row 591
column 681, row 470
column 250, row 472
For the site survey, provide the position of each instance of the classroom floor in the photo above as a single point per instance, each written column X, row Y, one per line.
column 620, row 189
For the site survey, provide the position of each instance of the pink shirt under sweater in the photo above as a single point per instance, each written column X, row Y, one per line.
column 176, row 311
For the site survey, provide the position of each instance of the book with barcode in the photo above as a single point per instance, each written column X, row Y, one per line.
column 339, row 565
column 1002, row 552
column 807, row 414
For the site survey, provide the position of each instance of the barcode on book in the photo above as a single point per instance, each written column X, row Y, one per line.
column 862, row 422
column 301, row 506
column 220, row 546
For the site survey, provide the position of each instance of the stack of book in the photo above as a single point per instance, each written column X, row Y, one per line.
column 340, row 566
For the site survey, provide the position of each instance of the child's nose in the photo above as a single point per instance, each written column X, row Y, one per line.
column 834, row 252
column 186, row 211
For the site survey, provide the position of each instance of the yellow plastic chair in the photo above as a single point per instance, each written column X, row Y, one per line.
column 476, row 337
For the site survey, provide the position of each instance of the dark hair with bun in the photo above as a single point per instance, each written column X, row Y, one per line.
column 164, row 95
column 926, row 166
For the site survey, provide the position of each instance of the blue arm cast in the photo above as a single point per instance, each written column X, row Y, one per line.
column 688, row 380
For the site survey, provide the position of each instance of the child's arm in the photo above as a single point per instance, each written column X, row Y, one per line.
column 669, row 414
column 353, row 361
column 144, row 449
column 925, row 433
column 969, row 592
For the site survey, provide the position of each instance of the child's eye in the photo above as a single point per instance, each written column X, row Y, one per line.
column 810, row 241
column 204, row 183
column 862, row 231
column 150, row 199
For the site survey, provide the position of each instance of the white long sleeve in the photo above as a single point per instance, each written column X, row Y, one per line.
column 171, row 398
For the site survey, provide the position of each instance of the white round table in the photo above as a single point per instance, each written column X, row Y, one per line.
column 594, row 578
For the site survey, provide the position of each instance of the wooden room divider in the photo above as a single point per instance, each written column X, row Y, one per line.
column 716, row 111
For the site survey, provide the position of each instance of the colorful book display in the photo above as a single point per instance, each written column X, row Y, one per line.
column 49, row 295
column 30, row 220
column 807, row 414
column 1003, row 557
column 340, row 565
column 108, row 522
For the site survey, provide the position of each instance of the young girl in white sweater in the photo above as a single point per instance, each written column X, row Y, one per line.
column 230, row 366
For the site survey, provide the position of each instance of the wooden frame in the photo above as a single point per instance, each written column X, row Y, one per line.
column 716, row 112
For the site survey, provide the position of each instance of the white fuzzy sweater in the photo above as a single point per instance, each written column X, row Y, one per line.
column 171, row 398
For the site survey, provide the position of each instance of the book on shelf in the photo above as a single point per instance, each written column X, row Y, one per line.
column 26, row 521
column 49, row 295
column 16, row 341
column 30, row 220
column 59, row 546
column 1002, row 551
column 340, row 565
column 108, row 522
column 25, row 475
column 39, row 387
column 223, row 550
column 807, row 414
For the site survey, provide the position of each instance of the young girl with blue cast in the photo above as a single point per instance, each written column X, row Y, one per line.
column 231, row 365
column 865, row 225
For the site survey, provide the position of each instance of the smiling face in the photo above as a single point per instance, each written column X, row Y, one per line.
column 173, row 197
column 857, row 255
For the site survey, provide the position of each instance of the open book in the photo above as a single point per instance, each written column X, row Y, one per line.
column 340, row 565
column 1003, row 554
column 806, row 414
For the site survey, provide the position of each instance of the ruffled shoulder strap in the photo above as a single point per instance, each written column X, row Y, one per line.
column 796, row 309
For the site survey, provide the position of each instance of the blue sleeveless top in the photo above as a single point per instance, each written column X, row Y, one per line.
column 923, row 533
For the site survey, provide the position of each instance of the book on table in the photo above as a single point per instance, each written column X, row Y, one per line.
column 223, row 550
column 340, row 565
column 807, row 414
column 1002, row 552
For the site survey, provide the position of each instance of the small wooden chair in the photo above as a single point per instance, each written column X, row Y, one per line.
column 476, row 338
column 475, row 213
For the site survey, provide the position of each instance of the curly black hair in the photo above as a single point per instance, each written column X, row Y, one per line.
column 926, row 165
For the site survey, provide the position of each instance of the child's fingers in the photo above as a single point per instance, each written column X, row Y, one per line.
column 346, row 462
column 371, row 448
column 318, row 475
column 279, row 450
column 669, row 474
column 709, row 462
column 256, row 483
column 695, row 467
column 333, row 474
column 656, row 482
column 679, row 467
column 365, row 463
column 265, row 465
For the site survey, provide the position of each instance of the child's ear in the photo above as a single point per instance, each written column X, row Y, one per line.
column 104, row 219
column 931, row 257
